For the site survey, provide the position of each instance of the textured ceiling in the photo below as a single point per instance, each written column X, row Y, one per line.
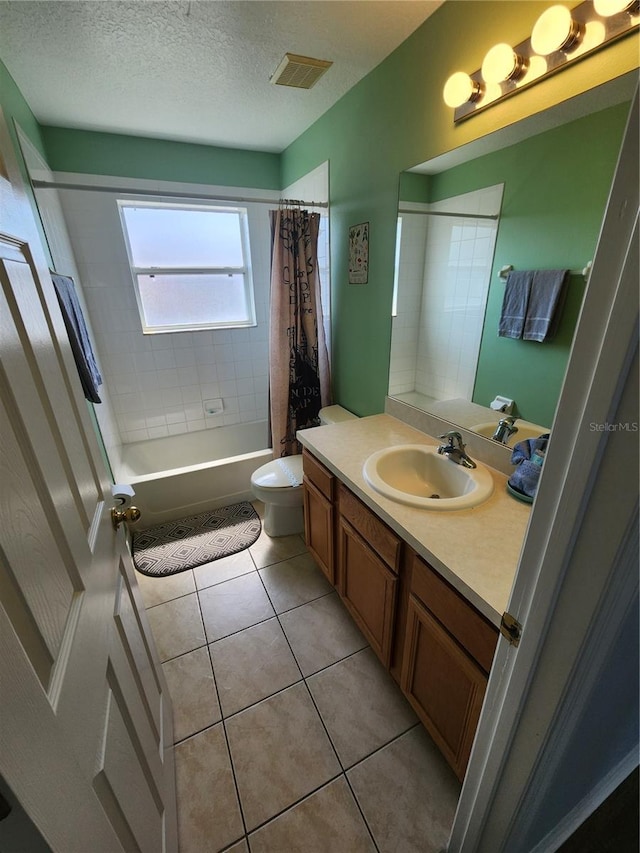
column 194, row 71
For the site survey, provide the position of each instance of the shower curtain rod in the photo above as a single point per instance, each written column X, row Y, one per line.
column 493, row 216
column 54, row 185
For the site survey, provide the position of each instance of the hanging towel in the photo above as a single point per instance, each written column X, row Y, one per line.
column 548, row 292
column 78, row 336
column 514, row 304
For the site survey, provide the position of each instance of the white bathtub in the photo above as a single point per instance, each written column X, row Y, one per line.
column 182, row 475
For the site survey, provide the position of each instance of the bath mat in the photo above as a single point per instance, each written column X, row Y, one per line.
column 176, row 546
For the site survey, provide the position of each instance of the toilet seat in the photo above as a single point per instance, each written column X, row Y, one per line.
column 282, row 473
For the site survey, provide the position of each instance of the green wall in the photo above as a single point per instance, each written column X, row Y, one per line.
column 556, row 186
column 393, row 119
column 16, row 109
column 159, row 159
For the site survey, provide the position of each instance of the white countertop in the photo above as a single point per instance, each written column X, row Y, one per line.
column 476, row 550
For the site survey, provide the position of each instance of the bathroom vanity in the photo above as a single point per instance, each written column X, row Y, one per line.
column 426, row 588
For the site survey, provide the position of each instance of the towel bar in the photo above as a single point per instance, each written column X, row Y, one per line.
column 586, row 271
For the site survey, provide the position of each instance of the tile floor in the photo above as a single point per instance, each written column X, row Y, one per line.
column 290, row 736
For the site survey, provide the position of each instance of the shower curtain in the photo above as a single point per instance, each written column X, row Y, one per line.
column 299, row 383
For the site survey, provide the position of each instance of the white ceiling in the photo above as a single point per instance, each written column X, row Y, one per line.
column 194, row 71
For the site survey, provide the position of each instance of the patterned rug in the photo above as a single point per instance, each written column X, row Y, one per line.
column 176, row 546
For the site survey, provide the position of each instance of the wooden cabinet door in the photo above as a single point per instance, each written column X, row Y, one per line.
column 444, row 685
column 318, row 528
column 368, row 589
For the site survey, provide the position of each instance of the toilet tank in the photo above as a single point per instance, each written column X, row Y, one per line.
column 335, row 415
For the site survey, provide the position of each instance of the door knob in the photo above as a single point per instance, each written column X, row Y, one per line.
column 131, row 513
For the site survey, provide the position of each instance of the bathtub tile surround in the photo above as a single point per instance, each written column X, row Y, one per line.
column 159, row 382
column 271, row 758
column 445, row 268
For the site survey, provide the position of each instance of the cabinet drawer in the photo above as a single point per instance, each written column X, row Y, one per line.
column 375, row 532
column 475, row 633
column 320, row 476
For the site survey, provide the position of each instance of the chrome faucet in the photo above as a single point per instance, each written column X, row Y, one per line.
column 505, row 429
column 455, row 452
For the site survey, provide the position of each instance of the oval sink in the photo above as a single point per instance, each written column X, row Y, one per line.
column 526, row 430
column 417, row 475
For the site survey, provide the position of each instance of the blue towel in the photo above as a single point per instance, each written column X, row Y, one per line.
column 514, row 304
column 528, row 455
column 548, row 292
column 78, row 336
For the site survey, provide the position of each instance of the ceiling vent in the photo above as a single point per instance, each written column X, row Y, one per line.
column 301, row 72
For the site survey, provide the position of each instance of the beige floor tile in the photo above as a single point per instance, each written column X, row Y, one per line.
column 233, row 605
column 223, row 570
column 361, row 705
column 266, row 550
column 251, row 665
column 280, row 753
column 193, row 693
column 240, row 847
column 208, row 812
column 321, row 633
column 408, row 794
column 177, row 626
column 326, row 822
column 158, row 590
column 294, row 582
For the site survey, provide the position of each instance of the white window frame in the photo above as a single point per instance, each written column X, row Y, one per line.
column 245, row 271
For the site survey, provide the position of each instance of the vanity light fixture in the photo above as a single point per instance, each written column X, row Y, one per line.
column 560, row 36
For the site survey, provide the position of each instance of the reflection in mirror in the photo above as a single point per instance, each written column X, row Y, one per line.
column 444, row 268
column 550, row 190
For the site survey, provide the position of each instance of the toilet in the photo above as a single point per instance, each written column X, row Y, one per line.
column 278, row 484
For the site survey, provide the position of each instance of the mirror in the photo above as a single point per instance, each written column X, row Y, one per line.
column 529, row 197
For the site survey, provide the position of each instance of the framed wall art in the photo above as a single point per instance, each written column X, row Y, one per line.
column 359, row 253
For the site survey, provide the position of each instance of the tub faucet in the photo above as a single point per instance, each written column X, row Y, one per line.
column 455, row 451
column 505, row 429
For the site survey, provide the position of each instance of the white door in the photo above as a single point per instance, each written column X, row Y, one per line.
column 85, row 716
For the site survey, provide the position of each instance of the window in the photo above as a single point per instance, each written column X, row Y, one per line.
column 190, row 265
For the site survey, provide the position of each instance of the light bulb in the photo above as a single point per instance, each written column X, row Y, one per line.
column 554, row 30
column 606, row 8
column 459, row 89
column 502, row 63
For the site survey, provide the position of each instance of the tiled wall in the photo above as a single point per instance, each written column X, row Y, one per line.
column 159, row 383
column 406, row 323
column 440, row 318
